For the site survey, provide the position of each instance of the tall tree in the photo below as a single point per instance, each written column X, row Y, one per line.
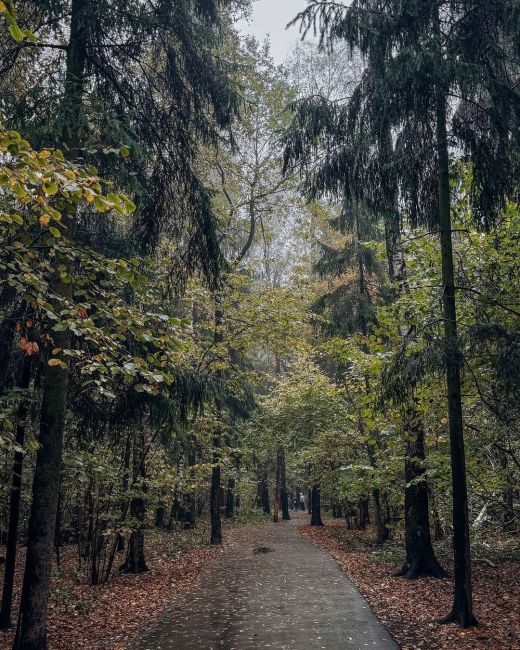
column 149, row 114
column 31, row 628
column 438, row 53
column 345, row 149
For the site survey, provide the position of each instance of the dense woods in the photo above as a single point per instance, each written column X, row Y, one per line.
column 226, row 283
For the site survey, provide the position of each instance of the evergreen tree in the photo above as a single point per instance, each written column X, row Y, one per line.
column 344, row 148
column 444, row 60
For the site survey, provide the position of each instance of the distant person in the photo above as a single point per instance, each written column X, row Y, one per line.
column 302, row 501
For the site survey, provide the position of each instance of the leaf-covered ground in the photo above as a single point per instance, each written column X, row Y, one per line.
column 409, row 609
column 109, row 616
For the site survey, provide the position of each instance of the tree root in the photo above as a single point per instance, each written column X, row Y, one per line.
column 417, row 569
column 463, row 619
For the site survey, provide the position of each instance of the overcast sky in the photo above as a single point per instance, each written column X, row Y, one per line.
column 271, row 17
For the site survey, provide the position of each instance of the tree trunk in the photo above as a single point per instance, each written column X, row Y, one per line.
column 363, row 517
column 230, row 498
column 214, row 501
column 192, row 516
column 159, row 515
column 135, row 559
column 420, row 557
column 264, row 493
column 282, row 484
column 236, row 490
column 14, row 502
column 508, row 515
column 124, row 505
column 277, row 490
column 382, row 532
column 316, row 506
column 462, row 610
column 31, row 631
column 57, row 528
column 276, row 509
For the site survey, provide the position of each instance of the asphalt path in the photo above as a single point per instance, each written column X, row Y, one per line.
column 270, row 589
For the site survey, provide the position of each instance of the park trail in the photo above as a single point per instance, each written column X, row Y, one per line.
column 270, row 589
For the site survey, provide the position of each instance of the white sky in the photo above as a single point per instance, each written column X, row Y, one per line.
column 271, row 17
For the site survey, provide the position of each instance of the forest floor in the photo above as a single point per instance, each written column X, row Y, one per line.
column 114, row 615
column 265, row 588
column 410, row 609
column 110, row 616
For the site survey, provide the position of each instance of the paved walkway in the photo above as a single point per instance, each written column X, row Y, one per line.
column 271, row 589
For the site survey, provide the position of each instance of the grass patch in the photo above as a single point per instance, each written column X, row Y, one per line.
column 389, row 553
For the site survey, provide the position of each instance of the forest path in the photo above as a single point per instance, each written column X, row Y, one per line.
column 292, row 596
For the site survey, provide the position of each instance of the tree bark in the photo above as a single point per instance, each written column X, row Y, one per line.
column 382, row 532
column 192, row 515
column 462, row 609
column 31, row 630
column 14, row 501
column 59, row 518
column 363, row 517
column 282, row 484
column 420, row 557
column 508, row 516
column 160, row 512
column 135, row 559
column 276, row 509
column 230, row 498
column 124, row 483
column 264, row 493
column 214, row 501
column 316, row 506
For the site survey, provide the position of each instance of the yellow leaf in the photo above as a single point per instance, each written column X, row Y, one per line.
column 57, row 362
column 56, row 350
column 45, row 219
column 3, row 8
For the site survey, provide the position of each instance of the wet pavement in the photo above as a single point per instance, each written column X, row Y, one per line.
column 270, row 589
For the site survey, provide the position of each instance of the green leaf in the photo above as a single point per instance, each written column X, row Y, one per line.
column 16, row 32
column 50, row 188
